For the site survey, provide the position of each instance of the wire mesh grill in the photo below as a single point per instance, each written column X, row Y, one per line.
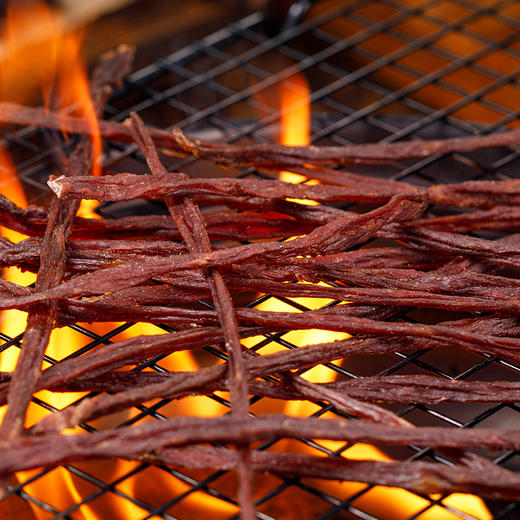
column 378, row 71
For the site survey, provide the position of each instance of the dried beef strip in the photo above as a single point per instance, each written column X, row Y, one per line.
column 467, row 287
column 36, row 451
column 135, row 350
column 271, row 155
column 128, row 186
column 409, row 389
column 499, row 252
column 89, row 255
column 342, row 178
column 275, row 155
column 341, row 320
column 91, row 311
column 8, row 289
column 29, row 221
column 417, row 476
column 499, row 300
column 190, row 222
column 221, row 225
column 208, row 379
column 502, row 346
column 478, row 194
column 499, row 218
column 40, row 321
column 346, row 403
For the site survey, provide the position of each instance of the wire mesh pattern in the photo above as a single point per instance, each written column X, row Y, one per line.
column 378, row 71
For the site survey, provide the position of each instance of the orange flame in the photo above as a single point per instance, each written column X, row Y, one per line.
column 383, row 502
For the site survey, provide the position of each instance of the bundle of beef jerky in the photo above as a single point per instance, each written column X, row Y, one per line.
column 147, row 268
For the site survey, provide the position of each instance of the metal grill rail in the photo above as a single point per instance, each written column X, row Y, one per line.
column 216, row 85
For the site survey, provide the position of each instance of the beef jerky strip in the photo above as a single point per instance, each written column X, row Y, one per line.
column 52, row 449
column 179, row 317
column 32, row 221
column 499, row 218
column 85, row 255
column 407, row 282
column 115, row 355
column 274, row 155
column 417, row 476
column 507, row 347
column 95, row 364
column 8, row 289
column 190, row 222
column 191, row 286
column 262, row 154
column 101, row 361
column 470, row 193
column 128, row 186
column 135, row 350
column 276, row 213
column 113, row 67
column 454, row 244
column 345, row 403
column 399, row 278
column 131, row 351
column 333, row 237
column 341, row 178
column 222, row 225
column 105, row 253
column 408, row 389
column 497, row 300
column 333, row 319
column 207, row 378
column 480, row 194
column 210, row 379
column 206, row 381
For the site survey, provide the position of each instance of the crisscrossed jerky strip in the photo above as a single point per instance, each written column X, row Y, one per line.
column 29, row 452
column 107, row 310
column 409, row 389
column 125, row 186
column 113, row 67
column 418, row 476
column 191, row 225
column 273, row 155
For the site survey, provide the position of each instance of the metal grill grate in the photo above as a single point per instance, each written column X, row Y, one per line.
column 385, row 70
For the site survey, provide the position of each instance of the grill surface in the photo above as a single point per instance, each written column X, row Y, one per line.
column 379, row 71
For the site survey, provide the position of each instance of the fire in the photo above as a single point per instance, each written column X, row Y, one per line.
column 383, row 502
